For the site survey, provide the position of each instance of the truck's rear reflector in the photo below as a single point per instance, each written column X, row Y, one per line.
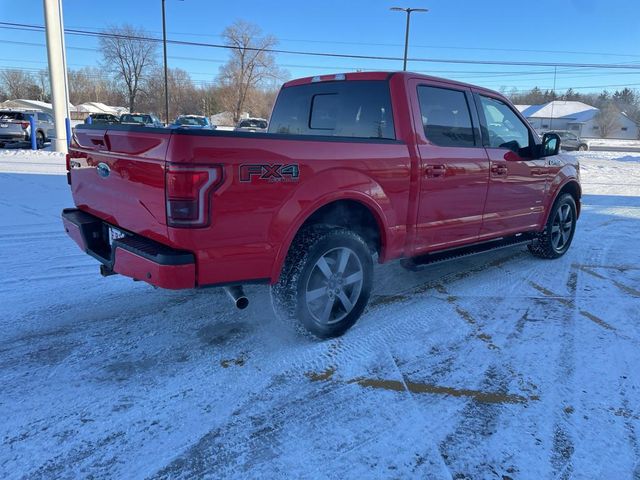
column 188, row 194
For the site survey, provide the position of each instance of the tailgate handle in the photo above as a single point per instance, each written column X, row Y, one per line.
column 102, row 142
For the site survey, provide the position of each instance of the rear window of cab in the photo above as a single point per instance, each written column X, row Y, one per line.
column 351, row 109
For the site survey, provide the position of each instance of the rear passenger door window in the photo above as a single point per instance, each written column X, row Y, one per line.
column 446, row 117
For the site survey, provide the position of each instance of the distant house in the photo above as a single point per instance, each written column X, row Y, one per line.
column 226, row 118
column 97, row 107
column 577, row 117
column 24, row 104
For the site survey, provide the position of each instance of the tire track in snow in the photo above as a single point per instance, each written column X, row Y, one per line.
column 563, row 446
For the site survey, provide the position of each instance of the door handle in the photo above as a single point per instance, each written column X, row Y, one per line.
column 498, row 169
column 436, row 170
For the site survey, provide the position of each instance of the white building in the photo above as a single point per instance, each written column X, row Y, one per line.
column 79, row 112
column 97, row 107
column 24, row 104
column 576, row 117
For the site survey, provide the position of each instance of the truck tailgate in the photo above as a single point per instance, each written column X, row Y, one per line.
column 119, row 176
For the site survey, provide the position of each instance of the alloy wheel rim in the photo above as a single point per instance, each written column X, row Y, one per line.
column 334, row 285
column 561, row 227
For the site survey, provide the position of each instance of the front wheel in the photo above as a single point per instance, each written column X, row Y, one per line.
column 583, row 147
column 556, row 238
column 326, row 280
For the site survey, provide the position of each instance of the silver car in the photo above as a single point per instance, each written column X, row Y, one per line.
column 15, row 127
column 570, row 141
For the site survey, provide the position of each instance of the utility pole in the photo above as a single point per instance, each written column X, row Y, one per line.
column 166, row 73
column 57, row 71
column 406, row 33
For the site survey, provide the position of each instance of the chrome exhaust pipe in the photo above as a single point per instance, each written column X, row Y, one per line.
column 237, row 296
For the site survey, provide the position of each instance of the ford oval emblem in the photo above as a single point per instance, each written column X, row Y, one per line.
column 103, row 170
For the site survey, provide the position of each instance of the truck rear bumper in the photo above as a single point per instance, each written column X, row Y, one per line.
column 131, row 255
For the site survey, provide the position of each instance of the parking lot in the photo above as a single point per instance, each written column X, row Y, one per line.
column 495, row 366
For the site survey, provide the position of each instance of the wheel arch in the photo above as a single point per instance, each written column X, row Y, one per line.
column 353, row 210
column 572, row 187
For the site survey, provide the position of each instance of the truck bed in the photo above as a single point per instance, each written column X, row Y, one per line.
column 268, row 182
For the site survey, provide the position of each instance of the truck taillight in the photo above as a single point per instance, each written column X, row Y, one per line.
column 188, row 194
column 25, row 125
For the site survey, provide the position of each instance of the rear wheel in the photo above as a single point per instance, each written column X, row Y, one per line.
column 326, row 280
column 40, row 140
column 583, row 147
column 556, row 238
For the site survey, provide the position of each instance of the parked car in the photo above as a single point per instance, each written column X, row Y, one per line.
column 15, row 127
column 570, row 141
column 144, row 119
column 356, row 167
column 102, row 118
column 196, row 122
column 252, row 125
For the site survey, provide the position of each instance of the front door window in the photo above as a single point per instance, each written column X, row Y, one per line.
column 504, row 127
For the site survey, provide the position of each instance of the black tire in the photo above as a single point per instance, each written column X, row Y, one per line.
column 301, row 276
column 583, row 147
column 39, row 140
column 558, row 232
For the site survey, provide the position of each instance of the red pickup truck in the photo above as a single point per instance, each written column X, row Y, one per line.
column 354, row 168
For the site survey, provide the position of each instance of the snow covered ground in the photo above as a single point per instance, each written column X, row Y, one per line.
column 614, row 145
column 497, row 366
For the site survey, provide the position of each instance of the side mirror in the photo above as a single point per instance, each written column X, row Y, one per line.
column 550, row 145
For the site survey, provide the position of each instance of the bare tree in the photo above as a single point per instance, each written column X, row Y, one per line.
column 19, row 84
column 44, row 85
column 184, row 98
column 260, row 102
column 128, row 53
column 249, row 67
column 608, row 119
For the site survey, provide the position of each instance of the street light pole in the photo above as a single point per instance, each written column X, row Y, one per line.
column 166, row 74
column 406, row 33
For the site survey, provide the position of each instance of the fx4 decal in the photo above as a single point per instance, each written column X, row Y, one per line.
column 270, row 173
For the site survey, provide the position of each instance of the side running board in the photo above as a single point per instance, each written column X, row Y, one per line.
column 415, row 263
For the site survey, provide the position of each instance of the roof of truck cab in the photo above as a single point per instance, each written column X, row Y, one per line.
column 380, row 75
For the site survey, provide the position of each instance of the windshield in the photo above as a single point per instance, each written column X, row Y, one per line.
column 253, row 124
column 196, row 121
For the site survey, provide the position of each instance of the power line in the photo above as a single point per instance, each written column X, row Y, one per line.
column 98, row 76
column 378, row 44
column 88, row 33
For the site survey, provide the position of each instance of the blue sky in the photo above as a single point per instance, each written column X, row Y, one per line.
column 576, row 31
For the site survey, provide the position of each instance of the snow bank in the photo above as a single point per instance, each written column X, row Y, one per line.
column 43, row 161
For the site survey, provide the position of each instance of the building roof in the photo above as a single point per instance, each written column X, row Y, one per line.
column 567, row 110
column 30, row 105
column 97, row 107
